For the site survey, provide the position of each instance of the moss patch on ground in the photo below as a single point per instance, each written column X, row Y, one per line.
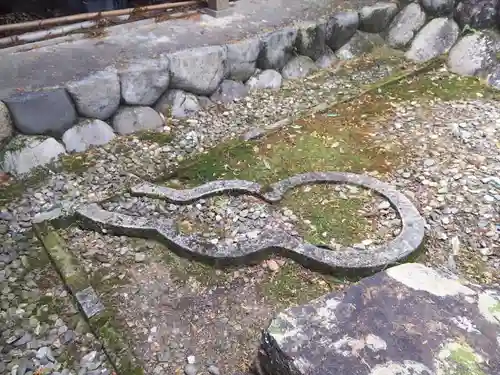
column 151, row 136
column 295, row 285
column 14, row 189
column 339, row 140
column 324, row 215
column 436, row 85
column 76, row 163
column 462, row 360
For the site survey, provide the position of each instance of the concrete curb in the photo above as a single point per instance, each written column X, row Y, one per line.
column 100, row 320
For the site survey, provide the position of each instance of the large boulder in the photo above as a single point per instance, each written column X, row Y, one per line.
column 438, row 8
column 311, row 40
column 472, row 54
column 6, row 126
column 298, row 67
column 143, row 82
column 229, row 91
column 478, row 14
column 277, row 49
column 327, row 60
column 340, row 28
column 405, row 25
column 407, row 320
column 376, row 18
column 98, row 95
column 205, row 102
column 23, row 154
column 493, row 77
column 436, row 38
column 87, row 133
column 198, row 70
column 359, row 44
column 49, row 112
column 242, row 59
column 130, row 120
column 267, row 79
column 178, row 103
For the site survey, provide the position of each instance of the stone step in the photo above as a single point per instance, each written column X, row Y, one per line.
column 409, row 319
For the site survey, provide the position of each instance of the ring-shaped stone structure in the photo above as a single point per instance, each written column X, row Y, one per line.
column 269, row 242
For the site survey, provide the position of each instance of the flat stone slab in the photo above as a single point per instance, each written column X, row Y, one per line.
column 407, row 320
column 269, row 241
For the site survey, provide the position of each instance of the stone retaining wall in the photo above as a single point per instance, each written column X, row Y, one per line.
column 37, row 127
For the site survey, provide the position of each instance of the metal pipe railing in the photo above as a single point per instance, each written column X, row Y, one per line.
column 93, row 16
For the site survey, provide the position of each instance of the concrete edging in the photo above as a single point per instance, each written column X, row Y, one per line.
column 87, row 301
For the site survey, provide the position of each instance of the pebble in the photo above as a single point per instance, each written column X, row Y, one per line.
column 88, row 358
column 489, row 199
column 272, row 265
column 44, row 353
column 24, row 366
column 190, row 369
column 384, row 205
column 213, row 370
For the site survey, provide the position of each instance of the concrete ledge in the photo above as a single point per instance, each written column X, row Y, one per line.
column 217, row 13
column 99, row 319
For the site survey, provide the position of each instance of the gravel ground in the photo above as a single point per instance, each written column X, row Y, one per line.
column 230, row 220
column 452, row 175
column 454, row 181
column 40, row 326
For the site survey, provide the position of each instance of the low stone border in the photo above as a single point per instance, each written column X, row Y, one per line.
column 87, row 300
column 347, row 260
column 126, row 99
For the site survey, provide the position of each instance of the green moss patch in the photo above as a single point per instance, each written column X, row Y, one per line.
column 14, row 189
column 293, row 285
column 117, row 348
column 76, row 163
column 462, row 360
column 437, row 85
column 151, row 136
column 326, row 217
column 63, row 260
column 336, row 141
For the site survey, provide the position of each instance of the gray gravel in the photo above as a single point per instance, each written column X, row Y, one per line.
column 229, row 220
column 41, row 329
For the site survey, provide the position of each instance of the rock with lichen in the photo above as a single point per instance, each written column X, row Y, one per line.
column 409, row 319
